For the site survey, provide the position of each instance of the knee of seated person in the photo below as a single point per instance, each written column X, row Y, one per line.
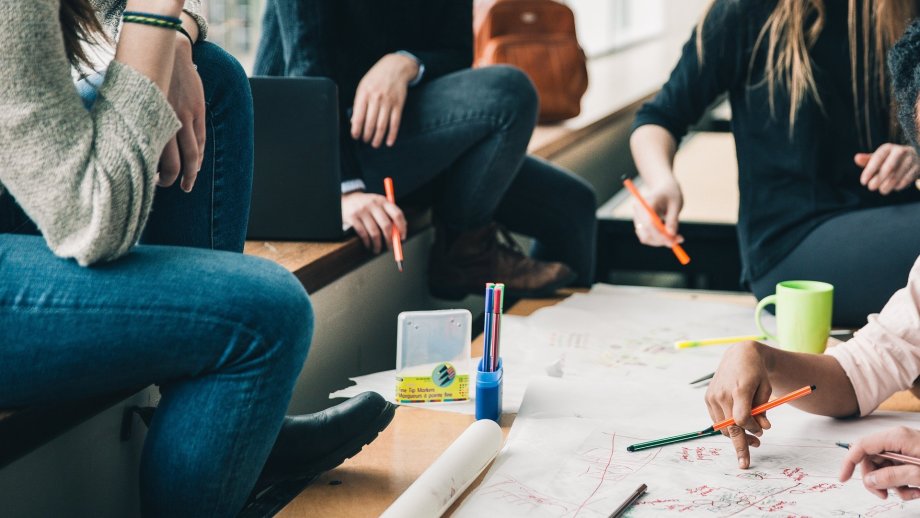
column 219, row 71
column 581, row 193
column 272, row 303
column 510, row 87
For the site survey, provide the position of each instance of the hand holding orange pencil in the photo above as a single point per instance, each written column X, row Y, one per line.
column 397, row 242
column 792, row 396
column 678, row 250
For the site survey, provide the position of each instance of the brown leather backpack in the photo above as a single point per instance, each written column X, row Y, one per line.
column 537, row 36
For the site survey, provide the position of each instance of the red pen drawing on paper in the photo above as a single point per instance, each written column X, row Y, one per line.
column 591, row 478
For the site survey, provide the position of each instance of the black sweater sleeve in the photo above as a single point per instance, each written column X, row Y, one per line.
column 450, row 43
column 694, row 85
column 306, row 31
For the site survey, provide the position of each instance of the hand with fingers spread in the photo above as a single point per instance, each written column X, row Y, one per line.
column 890, row 168
column 740, row 384
column 880, row 475
column 666, row 199
column 380, row 99
column 184, row 154
column 373, row 217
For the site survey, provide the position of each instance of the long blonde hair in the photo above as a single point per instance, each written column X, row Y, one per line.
column 793, row 28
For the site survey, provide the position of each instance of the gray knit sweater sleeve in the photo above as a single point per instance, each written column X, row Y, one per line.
column 85, row 177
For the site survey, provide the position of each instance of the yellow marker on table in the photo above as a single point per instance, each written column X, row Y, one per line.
column 689, row 344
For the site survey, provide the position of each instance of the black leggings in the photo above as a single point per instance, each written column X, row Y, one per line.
column 866, row 254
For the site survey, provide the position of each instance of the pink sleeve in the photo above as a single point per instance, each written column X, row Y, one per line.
column 884, row 356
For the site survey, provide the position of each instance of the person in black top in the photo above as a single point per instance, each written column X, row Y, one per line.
column 415, row 111
column 827, row 192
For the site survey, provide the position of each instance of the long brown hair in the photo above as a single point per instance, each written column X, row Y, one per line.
column 80, row 28
column 793, row 28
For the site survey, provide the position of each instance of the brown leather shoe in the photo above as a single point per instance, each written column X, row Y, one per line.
column 489, row 254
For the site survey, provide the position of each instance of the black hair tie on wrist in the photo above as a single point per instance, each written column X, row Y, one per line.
column 186, row 34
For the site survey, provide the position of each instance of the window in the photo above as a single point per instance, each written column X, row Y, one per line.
column 608, row 25
column 235, row 25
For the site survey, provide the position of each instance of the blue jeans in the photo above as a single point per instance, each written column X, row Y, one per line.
column 224, row 335
column 464, row 137
column 216, row 212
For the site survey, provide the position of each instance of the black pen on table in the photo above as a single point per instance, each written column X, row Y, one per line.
column 637, row 494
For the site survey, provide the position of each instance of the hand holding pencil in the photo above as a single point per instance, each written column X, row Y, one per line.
column 394, row 234
column 650, row 229
column 887, row 460
column 726, row 423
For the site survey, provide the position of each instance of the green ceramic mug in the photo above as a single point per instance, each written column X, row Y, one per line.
column 803, row 315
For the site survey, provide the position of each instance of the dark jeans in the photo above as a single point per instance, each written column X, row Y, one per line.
column 224, row 335
column 866, row 254
column 464, row 136
column 216, row 212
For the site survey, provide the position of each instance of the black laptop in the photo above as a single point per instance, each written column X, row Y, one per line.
column 296, row 191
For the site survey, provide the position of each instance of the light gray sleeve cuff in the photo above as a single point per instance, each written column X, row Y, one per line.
column 193, row 9
column 421, row 66
column 353, row 185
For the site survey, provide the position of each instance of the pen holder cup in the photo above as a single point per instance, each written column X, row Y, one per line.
column 489, row 392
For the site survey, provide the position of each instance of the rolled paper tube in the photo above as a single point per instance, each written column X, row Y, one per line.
column 449, row 476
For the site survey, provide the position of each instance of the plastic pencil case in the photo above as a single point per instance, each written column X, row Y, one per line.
column 489, row 392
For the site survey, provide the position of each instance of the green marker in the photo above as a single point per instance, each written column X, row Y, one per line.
column 709, row 432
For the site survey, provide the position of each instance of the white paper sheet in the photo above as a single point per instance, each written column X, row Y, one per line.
column 570, row 467
column 670, row 411
column 566, row 457
column 611, row 332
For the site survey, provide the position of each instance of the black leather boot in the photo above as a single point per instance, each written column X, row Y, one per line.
column 309, row 445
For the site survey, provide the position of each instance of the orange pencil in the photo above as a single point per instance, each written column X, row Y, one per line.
column 676, row 248
column 714, row 429
column 397, row 242
column 792, row 396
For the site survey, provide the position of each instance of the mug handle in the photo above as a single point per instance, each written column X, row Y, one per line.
column 769, row 299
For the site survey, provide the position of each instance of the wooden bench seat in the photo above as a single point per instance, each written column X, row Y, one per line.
column 317, row 264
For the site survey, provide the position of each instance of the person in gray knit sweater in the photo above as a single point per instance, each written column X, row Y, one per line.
column 157, row 150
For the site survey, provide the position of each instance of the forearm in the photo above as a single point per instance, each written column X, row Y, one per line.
column 789, row 371
column 653, row 149
column 150, row 50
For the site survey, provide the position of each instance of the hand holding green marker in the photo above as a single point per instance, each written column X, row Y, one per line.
column 717, row 427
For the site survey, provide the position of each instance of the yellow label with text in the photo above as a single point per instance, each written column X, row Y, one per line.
column 423, row 389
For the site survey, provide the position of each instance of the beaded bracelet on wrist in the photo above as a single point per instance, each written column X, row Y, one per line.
column 153, row 20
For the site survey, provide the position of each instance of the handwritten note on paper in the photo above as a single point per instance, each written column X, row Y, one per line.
column 566, row 457
column 571, row 467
